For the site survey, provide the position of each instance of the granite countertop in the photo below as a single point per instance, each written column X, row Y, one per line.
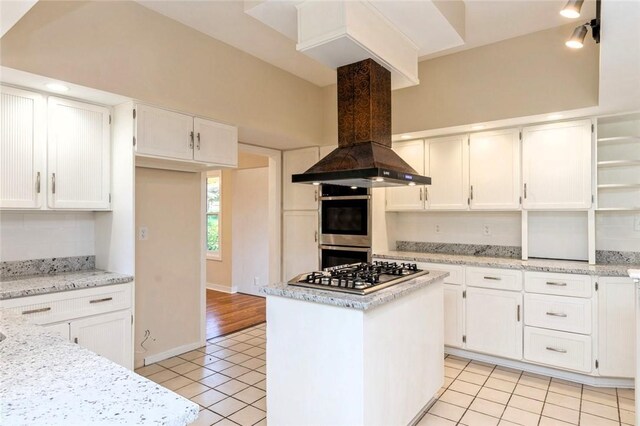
column 21, row 286
column 45, row 379
column 354, row 301
column 634, row 273
column 538, row 265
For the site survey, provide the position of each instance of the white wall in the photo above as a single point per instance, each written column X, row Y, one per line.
column 39, row 235
column 250, row 229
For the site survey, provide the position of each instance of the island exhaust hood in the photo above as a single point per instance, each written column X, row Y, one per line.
column 364, row 157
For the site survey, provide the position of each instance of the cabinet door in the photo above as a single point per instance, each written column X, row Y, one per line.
column 22, row 149
column 299, row 243
column 61, row 328
column 79, row 155
column 494, row 322
column 556, row 166
column 616, row 324
column 108, row 335
column 164, row 133
column 449, row 172
column 453, row 315
column 494, row 170
column 409, row 197
column 298, row 196
column 215, row 142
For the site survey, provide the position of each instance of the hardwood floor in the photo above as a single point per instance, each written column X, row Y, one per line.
column 227, row 313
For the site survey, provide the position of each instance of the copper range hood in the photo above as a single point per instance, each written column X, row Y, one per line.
column 364, row 157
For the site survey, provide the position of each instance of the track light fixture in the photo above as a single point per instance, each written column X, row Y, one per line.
column 579, row 33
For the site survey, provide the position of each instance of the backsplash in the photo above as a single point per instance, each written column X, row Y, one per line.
column 617, row 257
column 463, row 249
column 46, row 266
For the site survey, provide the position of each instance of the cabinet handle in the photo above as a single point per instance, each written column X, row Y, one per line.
column 191, row 141
column 426, row 194
column 557, row 284
column 75, row 340
column 552, row 349
column 493, row 278
column 518, row 314
column 38, row 182
column 525, row 191
column 198, row 141
column 53, row 183
column 555, row 314
column 471, row 192
column 106, row 299
column 315, row 195
column 420, row 194
column 35, row 311
column 315, row 236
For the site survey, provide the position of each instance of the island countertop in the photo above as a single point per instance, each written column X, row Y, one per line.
column 45, row 379
column 354, row 301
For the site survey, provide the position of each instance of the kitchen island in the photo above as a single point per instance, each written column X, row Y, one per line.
column 345, row 359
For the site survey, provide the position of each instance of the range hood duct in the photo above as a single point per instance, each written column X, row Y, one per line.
column 364, row 157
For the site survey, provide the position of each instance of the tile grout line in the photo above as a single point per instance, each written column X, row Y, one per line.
column 476, row 395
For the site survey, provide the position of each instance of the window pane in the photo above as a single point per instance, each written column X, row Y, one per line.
column 213, row 195
column 213, row 235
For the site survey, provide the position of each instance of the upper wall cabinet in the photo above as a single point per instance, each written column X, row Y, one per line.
column 409, row 197
column 297, row 196
column 22, row 149
column 78, row 155
column 556, row 166
column 494, row 170
column 449, row 172
column 170, row 135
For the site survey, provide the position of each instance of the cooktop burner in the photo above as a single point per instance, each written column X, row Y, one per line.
column 359, row 278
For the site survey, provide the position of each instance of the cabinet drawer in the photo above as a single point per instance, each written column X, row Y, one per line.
column 558, row 349
column 500, row 279
column 558, row 313
column 558, row 284
column 55, row 307
column 456, row 272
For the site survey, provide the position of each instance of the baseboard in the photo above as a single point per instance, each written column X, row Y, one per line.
column 584, row 379
column 222, row 288
column 172, row 352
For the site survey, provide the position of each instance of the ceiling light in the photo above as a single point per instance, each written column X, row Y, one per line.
column 577, row 38
column 406, row 137
column 412, row 184
column 57, row 87
column 354, row 187
column 478, row 127
column 316, row 183
column 572, row 9
column 379, row 179
column 554, row 116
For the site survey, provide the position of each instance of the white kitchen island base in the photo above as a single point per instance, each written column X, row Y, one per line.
column 334, row 365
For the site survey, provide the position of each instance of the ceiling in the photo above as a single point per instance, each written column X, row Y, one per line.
column 486, row 22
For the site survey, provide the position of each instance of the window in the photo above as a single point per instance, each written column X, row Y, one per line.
column 213, row 214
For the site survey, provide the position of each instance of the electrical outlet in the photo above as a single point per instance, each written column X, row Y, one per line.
column 486, row 230
column 636, row 223
column 256, row 281
column 437, row 229
column 143, row 233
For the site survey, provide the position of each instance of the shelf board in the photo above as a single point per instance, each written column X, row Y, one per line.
column 619, row 186
column 618, row 163
column 619, row 139
column 618, row 209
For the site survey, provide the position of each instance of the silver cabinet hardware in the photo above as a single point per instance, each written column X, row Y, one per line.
column 315, row 195
column 555, row 314
column 493, row 278
column 525, row 191
column 35, row 311
column 106, row 299
column 75, row 340
column 38, row 182
column 552, row 349
column 191, row 140
column 315, row 236
column 472, row 192
column 198, row 141
column 426, row 194
column 557, row 284
column 420, row 194
column 518, row 314
column 53, row 183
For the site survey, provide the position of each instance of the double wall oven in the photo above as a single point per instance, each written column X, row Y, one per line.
column 345, row 225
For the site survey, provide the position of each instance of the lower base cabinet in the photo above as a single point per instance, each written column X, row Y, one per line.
column 558, row 349
column 453, row 315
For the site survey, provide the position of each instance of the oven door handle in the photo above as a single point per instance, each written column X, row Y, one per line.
column 348, row 197
column 343, row 248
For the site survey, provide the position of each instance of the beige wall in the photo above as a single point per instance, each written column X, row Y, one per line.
column 127, row 49
column 219, row 271
column 168, row 273
column 527, row 75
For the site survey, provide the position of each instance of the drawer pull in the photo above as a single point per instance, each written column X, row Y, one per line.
column 557, row 284
column 555, row 314
column 106, row 299
column 35, row 311
column 562, row 351
column 493, row 278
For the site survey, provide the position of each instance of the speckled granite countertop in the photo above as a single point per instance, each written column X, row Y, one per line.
column 21, row 286
column 354, row 301
column 538, row 265
column 46, row 380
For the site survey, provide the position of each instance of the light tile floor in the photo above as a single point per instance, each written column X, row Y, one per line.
column 227, row 378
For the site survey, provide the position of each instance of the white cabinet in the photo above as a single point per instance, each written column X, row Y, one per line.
column 448, row 168
column 556, row 166
column 166, row 134
column 61, row 329
column 299, row 243
column 108, row 335
column 22, row 149
column 616, row 326
column 494, row 322
column 298, row 196
column 78, row 155
column 409, row 197
column 494, row 170
column 453, row 315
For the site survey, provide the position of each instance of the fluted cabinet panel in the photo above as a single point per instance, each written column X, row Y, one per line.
column 78, row 155
column 21, row 149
